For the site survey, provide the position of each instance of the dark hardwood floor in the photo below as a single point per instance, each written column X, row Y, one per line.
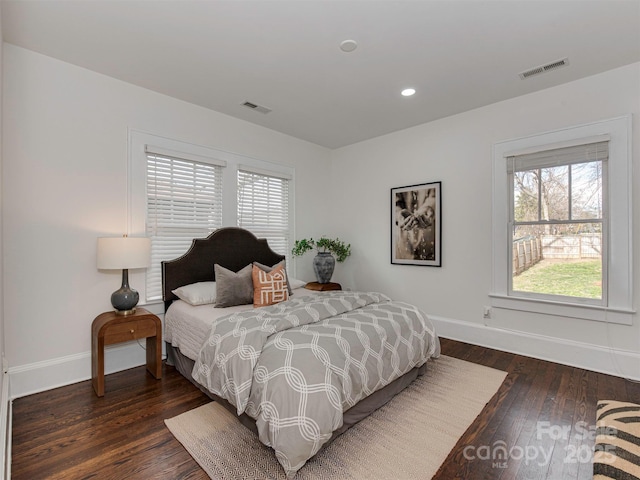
column 69, row 433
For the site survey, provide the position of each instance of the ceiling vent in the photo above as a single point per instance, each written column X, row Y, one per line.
column 544, row 68
column 256, row 107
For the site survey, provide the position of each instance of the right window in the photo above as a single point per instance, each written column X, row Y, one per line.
column 558, row 222
column 562, row 233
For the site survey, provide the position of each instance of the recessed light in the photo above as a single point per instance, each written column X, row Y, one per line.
column 348, row 46
column 407, row 92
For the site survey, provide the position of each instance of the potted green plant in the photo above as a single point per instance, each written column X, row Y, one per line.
column 324, row 261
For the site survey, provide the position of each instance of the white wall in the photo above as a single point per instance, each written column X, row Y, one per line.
column 65, row 184
column 458, row 151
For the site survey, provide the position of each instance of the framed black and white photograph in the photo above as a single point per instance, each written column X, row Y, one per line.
column 416, row 225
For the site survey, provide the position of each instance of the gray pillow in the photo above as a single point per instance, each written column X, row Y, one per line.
column 267, row 269
column 233, row 288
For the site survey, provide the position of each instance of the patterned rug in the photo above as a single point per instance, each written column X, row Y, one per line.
column 617, row 450
column 408, row 438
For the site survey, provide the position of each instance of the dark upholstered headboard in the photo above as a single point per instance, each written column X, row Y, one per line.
column 231, row 247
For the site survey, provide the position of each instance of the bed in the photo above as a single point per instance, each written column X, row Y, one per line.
column 298, row 372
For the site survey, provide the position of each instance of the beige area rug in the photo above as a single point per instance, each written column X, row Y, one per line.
column 408, row 438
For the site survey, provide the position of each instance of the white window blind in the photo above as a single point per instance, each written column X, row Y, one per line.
column 263, row 207
column 561, row 156
column 184, row 201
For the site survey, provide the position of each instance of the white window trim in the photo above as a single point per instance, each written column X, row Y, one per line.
column 619, row 261
column 139, row 141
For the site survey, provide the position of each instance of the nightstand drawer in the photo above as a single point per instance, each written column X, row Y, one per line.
column 129, row 331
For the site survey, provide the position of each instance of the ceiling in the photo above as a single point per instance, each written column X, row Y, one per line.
column 285, row 55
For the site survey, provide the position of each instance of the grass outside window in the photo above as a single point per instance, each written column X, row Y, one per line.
column 571, row 278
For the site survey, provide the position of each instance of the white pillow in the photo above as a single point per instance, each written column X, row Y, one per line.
column 201, row 293
column 295, row 283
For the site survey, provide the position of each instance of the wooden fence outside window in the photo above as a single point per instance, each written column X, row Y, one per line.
column 530, row 250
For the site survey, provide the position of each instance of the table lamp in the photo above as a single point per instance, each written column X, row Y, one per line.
column 115, row 253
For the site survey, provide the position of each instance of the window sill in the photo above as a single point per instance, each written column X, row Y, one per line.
column 154, row 306
column 620, row 316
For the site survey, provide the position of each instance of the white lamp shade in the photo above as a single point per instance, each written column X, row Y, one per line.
column 123, row 253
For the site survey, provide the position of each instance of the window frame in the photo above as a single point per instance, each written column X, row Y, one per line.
column 618, row 263
column 137, row 178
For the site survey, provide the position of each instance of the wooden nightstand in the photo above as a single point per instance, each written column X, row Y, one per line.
column 109, row 328
column 323, row 287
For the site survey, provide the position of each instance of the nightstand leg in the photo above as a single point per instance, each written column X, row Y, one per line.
column 154, row 356
column 97, row 365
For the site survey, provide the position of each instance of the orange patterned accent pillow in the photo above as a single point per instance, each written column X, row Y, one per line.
column 269, row 287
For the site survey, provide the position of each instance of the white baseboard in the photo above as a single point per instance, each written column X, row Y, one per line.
column 40, row 376
column 620, row 363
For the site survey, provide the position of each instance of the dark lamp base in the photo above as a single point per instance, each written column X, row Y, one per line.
column 125, row 299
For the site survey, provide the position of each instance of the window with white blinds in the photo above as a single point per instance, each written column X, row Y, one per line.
column 263, row 206
column 184, row 201
column 562, row 223
column 179, row 191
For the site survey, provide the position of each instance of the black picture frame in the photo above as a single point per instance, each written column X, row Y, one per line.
column 416, row 225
